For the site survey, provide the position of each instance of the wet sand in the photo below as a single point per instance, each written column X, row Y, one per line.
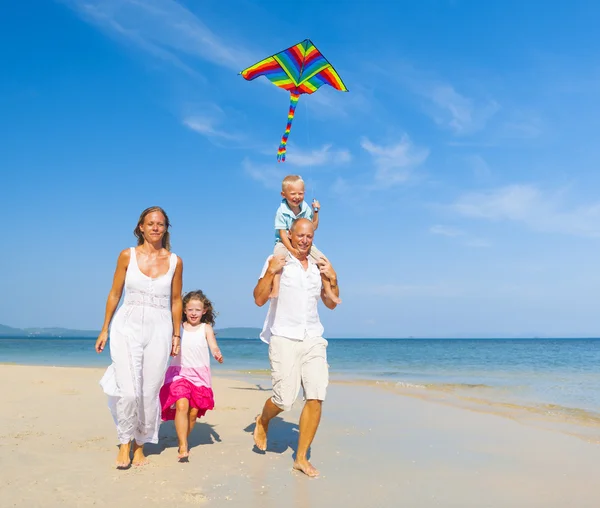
column 374, row 448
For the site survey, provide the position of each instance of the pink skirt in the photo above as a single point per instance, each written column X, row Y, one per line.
column 200, row 397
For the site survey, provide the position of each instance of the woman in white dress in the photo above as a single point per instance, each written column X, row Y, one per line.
column 144, row 332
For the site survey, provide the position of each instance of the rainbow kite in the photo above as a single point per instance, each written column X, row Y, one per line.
column 299, row 69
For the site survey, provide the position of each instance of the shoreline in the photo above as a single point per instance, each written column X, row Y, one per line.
column 577, row 422
column 373, row 449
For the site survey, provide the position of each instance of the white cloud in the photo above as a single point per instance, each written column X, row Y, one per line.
column 466, row 239
column 394, row 163
column 206, row 127
column 449, row 108
column 206, row 119
column 325, row 155
column 270, row 175
column 414, row 290
column 445, row 231
column 481, row 169
column 341, row 186
column 527, row 204
column 164, row 28
column 478, row 243
column 457, row 112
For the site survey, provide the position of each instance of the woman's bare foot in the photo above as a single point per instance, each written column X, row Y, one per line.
column 304, row 466
column 123, row 460
column 260, row 434
column 139, row 459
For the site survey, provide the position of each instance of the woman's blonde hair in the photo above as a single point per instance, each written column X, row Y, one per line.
column 166, row 239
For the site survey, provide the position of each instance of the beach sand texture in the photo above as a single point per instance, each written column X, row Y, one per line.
column 374, row 448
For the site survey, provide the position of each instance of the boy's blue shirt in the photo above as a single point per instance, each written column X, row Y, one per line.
column 284, row 216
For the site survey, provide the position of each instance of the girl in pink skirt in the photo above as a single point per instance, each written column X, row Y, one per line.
column 187, row 393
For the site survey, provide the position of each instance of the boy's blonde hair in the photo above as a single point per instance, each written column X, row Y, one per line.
column 290, row 179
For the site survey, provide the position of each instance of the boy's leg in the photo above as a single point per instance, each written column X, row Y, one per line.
column 279, row 250
column 316, row 256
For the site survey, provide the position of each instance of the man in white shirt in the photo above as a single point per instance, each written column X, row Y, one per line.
column 297, row 349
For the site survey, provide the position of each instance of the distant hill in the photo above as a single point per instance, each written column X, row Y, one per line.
column 59, row 332
column 238, row 333
column 5, row 331
column 8, row 331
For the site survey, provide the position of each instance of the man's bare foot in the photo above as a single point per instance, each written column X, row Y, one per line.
column 123, row 460
column 139, row 459
column 183, row 454
column 304, row 466
column 260, row 434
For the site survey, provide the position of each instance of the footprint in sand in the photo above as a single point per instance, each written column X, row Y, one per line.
column 95, row 443
column 70, row 391
column 194, row 496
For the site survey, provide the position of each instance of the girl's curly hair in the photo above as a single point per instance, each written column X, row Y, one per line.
column 209, row 313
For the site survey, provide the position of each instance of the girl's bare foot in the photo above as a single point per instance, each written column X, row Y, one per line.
column 183, row 455
column 139, row 459
column 123, row 460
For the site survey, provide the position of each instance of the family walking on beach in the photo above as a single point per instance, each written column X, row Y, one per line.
column 155, row 323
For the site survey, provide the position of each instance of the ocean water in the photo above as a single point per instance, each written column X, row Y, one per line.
column 552, row 375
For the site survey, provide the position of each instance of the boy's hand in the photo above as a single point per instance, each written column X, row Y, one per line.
column 316, row 206
column 326, row 269
column 276, row 264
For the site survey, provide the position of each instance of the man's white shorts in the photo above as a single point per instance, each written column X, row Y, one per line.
column 296, row 363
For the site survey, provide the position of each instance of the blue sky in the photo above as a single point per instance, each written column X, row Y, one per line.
column 458, row 178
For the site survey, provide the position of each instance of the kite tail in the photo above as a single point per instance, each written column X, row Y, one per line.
column 282, row 146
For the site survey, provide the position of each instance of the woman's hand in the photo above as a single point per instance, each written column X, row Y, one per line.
column 101, row 341
column 176, row 345
column 217, row 355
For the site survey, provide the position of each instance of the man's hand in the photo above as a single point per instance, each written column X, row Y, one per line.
column 326, row 269
column 276, row 263
column 316, row 206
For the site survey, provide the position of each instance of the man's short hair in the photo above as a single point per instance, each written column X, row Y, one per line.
column 290, row 179
column 295, row 221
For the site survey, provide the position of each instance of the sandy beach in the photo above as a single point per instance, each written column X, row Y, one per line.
column 374, row 448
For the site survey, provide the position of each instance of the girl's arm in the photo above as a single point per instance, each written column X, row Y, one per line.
column 212, row 343
column 114, row 296
column 177, row 306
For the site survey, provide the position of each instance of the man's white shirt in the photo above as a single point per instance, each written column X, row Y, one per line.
column 294, row 314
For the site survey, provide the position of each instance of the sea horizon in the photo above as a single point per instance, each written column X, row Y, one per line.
column 545, row 375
